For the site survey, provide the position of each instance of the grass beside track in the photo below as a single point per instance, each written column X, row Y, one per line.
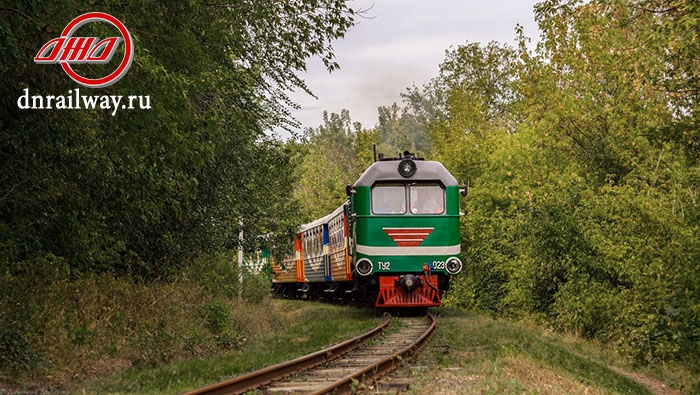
column 300, row 328
column 469, row 353
column 472, row 353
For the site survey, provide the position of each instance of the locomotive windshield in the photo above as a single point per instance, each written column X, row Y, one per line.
column 423, row 198
column 389, row 199
column 427, row 199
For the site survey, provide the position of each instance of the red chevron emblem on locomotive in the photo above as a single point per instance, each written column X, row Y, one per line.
column 408, row 237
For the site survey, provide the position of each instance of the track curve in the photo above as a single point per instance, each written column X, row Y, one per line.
column 336, row 369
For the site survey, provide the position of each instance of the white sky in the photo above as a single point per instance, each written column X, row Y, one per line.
column 402, row 45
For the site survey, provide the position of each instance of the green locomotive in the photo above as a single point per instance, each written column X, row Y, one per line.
column 395, row 242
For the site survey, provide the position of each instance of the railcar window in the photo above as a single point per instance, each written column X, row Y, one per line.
column 307, row 244
column 427, row 199
column 311, row 249
column 310, row 241
column 389, row 199
column 317, row 241
column 335, row 231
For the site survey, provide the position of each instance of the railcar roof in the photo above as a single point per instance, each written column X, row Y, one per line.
column 388, row 171
column 322, row 220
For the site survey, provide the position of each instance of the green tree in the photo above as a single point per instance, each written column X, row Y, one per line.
column 400, row 130
column 467, row 106
column 143, row 191
column 582, row 209
column 674, row 37
column 330, row 163
column 610, row 233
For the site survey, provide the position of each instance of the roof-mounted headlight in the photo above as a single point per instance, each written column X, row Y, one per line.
column 407, row 168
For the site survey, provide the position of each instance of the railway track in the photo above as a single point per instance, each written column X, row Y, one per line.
column 338, row 369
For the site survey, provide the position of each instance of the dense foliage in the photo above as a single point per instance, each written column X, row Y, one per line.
column 581, row 153
column 586, row 213
column 141, row 194
column 142, row 191
column 334, row 155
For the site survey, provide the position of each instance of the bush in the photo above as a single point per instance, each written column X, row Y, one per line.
column 18, row 354
column 256, row 288
column 614, row 260
column 217, row 315
column 55, row 332
column 216, row 273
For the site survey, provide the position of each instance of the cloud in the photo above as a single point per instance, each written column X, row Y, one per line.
column 402, row 44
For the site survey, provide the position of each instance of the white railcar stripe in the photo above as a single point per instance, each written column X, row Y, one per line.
column 389, row 251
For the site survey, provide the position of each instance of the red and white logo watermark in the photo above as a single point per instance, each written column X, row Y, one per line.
column 67, row 50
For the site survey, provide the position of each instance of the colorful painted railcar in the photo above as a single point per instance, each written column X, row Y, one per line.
column 289, row 270
column 395, row 242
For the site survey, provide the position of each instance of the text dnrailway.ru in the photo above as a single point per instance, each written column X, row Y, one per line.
column 75, row 101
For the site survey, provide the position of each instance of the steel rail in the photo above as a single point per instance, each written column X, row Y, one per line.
column 255, row 379
column 345, row 385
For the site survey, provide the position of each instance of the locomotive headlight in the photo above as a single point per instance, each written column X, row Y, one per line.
column 364, row 267
column 407, row 168
column 453, row 265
